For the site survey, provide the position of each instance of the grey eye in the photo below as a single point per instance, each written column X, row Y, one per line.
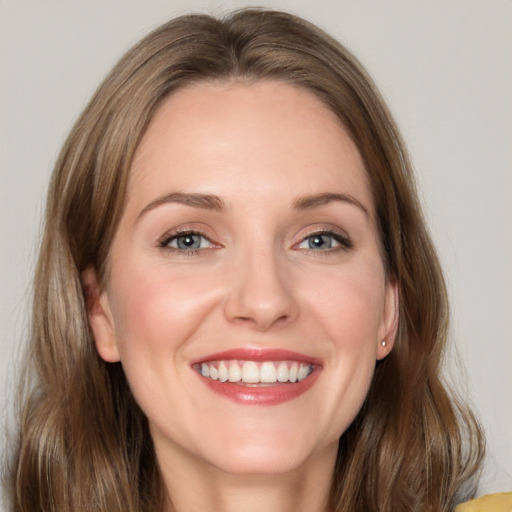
column 319, row 241
column 188, row 241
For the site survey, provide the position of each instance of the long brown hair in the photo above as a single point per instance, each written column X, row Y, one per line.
column 83, row 443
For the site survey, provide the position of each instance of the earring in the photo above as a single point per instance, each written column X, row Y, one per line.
column 383, row 343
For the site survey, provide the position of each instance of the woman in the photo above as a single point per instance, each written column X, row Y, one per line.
column 237, row 303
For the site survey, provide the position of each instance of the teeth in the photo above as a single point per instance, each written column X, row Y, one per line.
column 282, row 372
column 235, row 374
column 303, row 373
column 205, row 370
column 268, row 372
column 294, row 370
column 251, row 372
column 223, row 372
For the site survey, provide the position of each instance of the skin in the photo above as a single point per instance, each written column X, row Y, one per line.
column 255, row 282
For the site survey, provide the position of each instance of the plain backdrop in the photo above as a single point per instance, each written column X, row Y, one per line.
column 445, row 68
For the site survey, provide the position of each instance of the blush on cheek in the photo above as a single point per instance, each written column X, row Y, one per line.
column 357, row 310
column 160, row 308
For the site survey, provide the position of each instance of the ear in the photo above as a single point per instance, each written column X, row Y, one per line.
column 100, row 316
column 389, row 324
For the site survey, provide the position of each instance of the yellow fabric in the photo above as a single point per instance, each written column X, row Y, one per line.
column 501, row 502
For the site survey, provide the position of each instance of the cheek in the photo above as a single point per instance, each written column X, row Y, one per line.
column 157, row 314
column 347, row 306
column 156, row 310
column 349, row 303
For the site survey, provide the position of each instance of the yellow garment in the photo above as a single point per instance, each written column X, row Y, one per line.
column 501, row 502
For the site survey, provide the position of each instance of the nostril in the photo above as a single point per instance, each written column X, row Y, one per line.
column 261, row 322
column 259, row 296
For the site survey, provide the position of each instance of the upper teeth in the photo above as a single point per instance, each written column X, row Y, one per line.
column 251, row 372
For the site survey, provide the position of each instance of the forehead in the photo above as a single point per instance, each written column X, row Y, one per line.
column 264, row 137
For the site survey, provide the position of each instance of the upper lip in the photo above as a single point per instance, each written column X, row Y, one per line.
column 259, row 354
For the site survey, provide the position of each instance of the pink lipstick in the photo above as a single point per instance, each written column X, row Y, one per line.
column 258, row 377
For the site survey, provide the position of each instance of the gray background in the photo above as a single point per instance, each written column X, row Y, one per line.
column 445, row 67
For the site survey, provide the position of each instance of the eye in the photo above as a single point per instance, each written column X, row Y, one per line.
column 325, row 241
column 188, row 242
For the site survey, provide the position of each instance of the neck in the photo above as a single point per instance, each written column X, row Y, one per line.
column 195, row 487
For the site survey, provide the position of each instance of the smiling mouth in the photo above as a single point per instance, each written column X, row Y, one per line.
column 255, row 373
column 255, row 376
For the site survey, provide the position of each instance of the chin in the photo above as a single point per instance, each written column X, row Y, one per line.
column 260, row 461
column 268, row 453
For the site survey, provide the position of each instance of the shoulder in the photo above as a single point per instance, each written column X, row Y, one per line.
column 501, row 502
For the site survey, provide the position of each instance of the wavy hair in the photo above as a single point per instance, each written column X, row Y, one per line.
column 83, row 443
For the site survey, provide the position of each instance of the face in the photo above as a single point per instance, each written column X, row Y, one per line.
column 246, row 297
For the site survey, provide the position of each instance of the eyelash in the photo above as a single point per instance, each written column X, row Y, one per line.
column 345, row 243
column 168, row 238
column 343, row 240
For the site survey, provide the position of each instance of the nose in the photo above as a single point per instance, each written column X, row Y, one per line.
column 261, row 293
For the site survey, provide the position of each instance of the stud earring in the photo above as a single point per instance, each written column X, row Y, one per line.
column 383, row 343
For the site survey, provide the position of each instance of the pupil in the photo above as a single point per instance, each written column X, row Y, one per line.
column 188, row 241
column 319, row 242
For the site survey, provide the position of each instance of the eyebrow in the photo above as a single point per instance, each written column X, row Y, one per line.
column 314, row 201
column 203, row 201
column 214, row 202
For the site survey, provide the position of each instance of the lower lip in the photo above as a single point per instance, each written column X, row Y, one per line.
column 264, row 395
